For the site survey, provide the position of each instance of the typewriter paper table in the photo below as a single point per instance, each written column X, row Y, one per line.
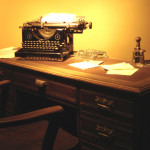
column 106, row 112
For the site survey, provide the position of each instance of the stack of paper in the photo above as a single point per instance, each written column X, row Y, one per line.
column 7, row 52
column 120, row 68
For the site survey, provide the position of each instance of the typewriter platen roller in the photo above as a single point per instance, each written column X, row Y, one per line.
column 51, row 37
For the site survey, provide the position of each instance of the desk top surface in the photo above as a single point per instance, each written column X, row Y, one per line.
column 138, row 82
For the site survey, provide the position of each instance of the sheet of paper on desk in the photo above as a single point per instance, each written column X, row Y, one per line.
column 7, row 52
column 121, row 66
column 86, row 64
column 120, row 69
column 122, row 72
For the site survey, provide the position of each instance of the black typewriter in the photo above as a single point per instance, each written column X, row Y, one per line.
column 51, row 37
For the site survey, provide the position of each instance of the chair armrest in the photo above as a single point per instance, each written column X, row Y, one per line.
column 37, row 115
column 4, row 83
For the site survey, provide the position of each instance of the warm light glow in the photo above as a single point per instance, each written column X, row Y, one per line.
column 58, row 17
column 116, row 23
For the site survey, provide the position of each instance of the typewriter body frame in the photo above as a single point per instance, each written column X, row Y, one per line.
column 49, row 41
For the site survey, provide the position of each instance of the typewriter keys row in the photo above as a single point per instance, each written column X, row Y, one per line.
column 43, row 58
column 42, row 41
column 43, row 45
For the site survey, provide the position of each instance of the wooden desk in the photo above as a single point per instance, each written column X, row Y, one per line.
column 108, row 112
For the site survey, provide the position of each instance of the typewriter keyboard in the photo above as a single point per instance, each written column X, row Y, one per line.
column 43, row 45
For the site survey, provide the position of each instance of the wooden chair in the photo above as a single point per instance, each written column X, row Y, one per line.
column 32, row 121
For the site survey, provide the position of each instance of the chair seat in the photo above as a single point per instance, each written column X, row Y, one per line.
column 30, row 137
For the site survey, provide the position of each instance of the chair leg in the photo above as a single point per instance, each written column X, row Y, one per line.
column 50, row 135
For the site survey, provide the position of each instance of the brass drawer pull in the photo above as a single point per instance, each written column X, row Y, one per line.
column 40, row 83
column 104, row 104
column 104, row 132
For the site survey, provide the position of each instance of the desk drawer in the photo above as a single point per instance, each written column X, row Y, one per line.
column 5, row 74
column 102, row 103
column 52, row 88
column 25, row 81
column 106, row 133
column 61, row 91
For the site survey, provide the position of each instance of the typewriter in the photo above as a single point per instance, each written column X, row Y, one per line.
column 51, row 37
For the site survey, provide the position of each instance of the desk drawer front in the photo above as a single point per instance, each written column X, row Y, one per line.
column 5, row 74
column 99, row 102
column 25, row 81
column 105, row 132
column 61, row 91
column 53, row 89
